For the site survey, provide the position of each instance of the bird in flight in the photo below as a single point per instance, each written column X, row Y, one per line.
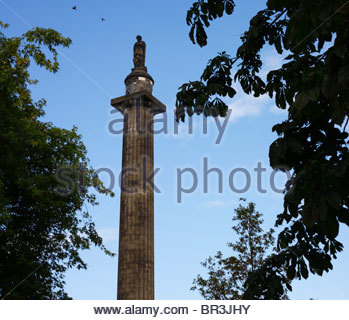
column 103, row 19
column 75, row 8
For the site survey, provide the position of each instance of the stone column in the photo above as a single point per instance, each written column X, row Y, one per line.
column 136, row 237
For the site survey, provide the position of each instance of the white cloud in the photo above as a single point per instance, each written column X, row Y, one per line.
column 271, row 61
column 274, row 109
column 244, row 105
column 218, row 203
column 108, row 234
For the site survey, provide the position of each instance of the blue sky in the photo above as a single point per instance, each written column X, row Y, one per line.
column 92, row 72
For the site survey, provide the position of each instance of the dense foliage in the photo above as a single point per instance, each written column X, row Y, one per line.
column 44, row 179
column 312, row 85
column 227, row 276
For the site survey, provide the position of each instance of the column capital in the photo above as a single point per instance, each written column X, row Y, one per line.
column 146, row 100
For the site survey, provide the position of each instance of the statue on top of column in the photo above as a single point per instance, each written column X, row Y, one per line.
column 139, row 53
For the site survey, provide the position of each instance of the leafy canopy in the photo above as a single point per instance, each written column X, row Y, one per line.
column 312, row 85
column 227, row 276
column 43, row 224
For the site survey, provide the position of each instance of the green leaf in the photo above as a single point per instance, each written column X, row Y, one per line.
column 304, row 270
column 291, row 272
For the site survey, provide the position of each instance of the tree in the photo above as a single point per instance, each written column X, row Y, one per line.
column 227, row 276
column 312, row 85
column 44, row 179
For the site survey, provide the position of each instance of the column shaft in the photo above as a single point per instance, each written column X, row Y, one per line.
column 136, row 238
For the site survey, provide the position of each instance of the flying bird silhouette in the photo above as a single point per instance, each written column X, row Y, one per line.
column 75, row 8
column 103, row 19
